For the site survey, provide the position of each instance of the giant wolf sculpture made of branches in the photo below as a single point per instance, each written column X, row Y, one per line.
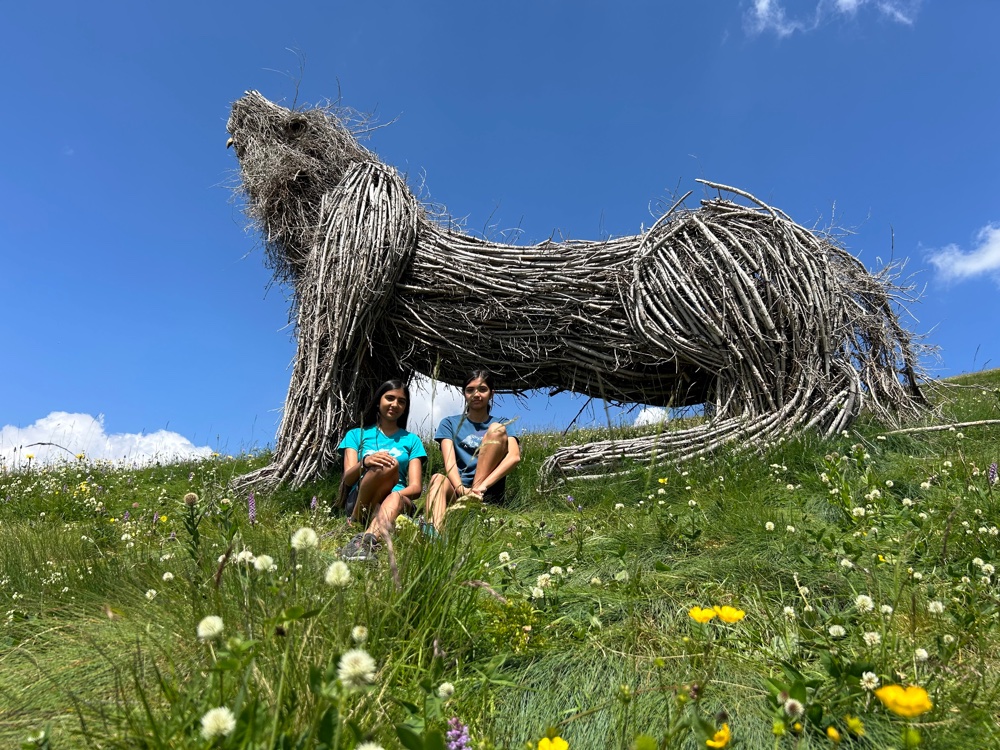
column 732, row 305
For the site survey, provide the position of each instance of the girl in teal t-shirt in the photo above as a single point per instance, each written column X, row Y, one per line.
column 383, row 470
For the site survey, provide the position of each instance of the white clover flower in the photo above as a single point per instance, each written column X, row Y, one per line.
column 935, row 607
column 864, row 603
column 889, row 483
column 595, row 581
column 264, row 563
column 978, row 562
column 619, row 506
column 537, row 593
column 858, row 512
column 948, row 638
column 356, row 669
column 925, row 485
column 837, row 631
column 793, row 708
column 869, row 681
column 789, row 487
column 845, row 563
column 790, row 529
column 907, row 502
column 369, row 746
column 210, row 628
column 988, row 569
column 872, row 638
column 769, row 526
column 359, row 634
column 445, row 690
column 219, row 722
column 504, row 558
column 917, row 575
column 886, row 609
column 338, row 575
column 304, row 538
column 556, row 570
column 151, row 594
column 168, row 576
column 921, row 654
column 804, row 590
column 245, row 557
column 789, row 612
column 543, row 580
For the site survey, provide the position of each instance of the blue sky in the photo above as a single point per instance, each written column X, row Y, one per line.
column 139, row 315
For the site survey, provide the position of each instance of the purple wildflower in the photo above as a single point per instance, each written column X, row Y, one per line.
column 992, row 474
column 252, row 509
column 458, row 735
column 314, row 503
column 125, row 516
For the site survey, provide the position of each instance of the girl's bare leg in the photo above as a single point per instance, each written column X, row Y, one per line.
column 384, row 522
column 439, row 494
column 492, row 451
column 375, row 485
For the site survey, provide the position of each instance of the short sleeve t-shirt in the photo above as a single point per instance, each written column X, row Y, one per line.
column 401, row 445
column 467, row 437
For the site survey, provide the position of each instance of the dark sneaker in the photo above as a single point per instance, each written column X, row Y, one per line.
column 361, row 547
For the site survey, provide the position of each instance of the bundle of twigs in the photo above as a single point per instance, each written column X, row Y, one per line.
column 774, row 327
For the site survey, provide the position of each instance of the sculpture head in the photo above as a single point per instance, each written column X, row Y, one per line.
column 288, row 160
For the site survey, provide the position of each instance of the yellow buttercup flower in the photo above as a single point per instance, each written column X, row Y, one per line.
column 729, row 614
column 855, row 726
column 908, row 702
column 833, row 734
column 721, row 738
column 701, row 615
column 556, row 743
column 29, row 456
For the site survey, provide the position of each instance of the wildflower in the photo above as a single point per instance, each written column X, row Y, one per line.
column 948, row 639
column 504, row 558
column 210, row 628
column 543, row 580
column 445, row 690
column 190, row 499
column 921, row 654
column 168, row 576
column 556, row 743
column 359, row 634
column 729, row 614
column 907, row 502
column 790, row 612
column 338, row 575
column 151, row 594
column 369, row 746
column 889, row 483
column 845, row 563
column 778, row 728
column 720, row 738
column 864, row 603
column 219, row 722
column 252, row 509
column 595, row 581
column 794, row 708
column 29, row 456
column 304, row 538
column 245, row 557
column 769, row 526
column 988, row 569
column 858, row 512
column 991, row 475
column 855, row 726
column 907, row 702
column 619, row 506
column 458, row 735
column 872, row 638
column 935, row 607
column 869, row 680
column 264, row 563
column 837, row 631
column 790, row 529
column 556, row 570
column 356, row 668
column 537, row 593
column 701, row 615
column 833, row 734
column 886, row 609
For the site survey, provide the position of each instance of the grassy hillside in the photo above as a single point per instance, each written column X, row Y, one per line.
column 862, row 562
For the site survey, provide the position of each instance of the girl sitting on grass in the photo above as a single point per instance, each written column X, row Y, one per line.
column 382, row 467
column 479, row 450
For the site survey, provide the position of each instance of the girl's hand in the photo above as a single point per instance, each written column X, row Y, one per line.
column 380, row 460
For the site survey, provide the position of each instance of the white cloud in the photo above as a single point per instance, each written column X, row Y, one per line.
column 770, row 15
column 430, row 402
column 651, row 415
column 82, row 433
column 984, row 259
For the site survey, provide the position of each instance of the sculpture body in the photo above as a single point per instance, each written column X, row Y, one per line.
column 730, row 305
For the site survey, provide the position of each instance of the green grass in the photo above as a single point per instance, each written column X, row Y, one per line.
column 90, row 653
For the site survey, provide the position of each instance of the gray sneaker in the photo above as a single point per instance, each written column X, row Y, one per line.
column 361, row 547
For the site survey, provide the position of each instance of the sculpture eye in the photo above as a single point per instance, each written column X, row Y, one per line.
column 296, row 126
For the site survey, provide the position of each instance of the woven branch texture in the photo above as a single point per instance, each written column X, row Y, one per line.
column 773, row 327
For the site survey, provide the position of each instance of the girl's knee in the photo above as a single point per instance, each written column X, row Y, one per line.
column 496, row 430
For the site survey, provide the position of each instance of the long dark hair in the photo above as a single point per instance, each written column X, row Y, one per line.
column 370, row 416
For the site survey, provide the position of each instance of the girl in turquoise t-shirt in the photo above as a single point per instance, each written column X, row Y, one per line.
column 383, row 473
